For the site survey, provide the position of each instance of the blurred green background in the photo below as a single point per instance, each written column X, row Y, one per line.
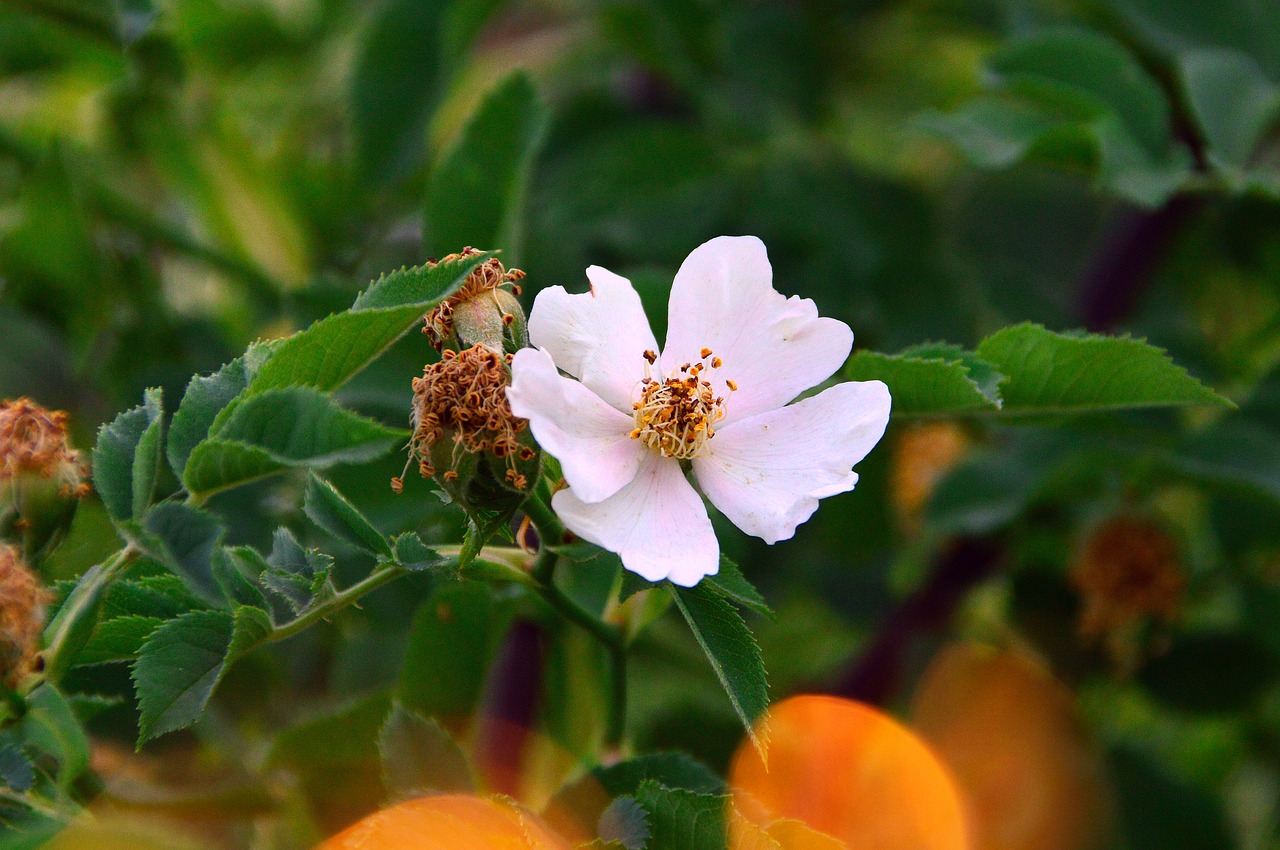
column 181, row 177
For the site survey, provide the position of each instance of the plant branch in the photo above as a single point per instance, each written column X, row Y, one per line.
column 373, row 581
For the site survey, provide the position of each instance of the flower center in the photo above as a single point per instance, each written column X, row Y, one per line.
column 677, row 416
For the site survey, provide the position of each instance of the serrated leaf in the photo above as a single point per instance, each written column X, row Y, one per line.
column 300, row 576
column 51, row 726
column 182, row 662
column 923, row 386
column 476, row 194
column 165, row 596
column 625, row 822
column 118, row 639
column 232, row 573
column 731, row 649
column 412, row 554
column 330, row 510
column 177, row 670
column 187, row 538
column 119, row 457
column 282, row 428
column 146, row 458
column 205, row 398
column 327, row 354
column 683, row 820
column 733, row 585
column 1054, row 373
column 419, row 757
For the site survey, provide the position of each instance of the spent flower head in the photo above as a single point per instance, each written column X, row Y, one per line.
column 714, row 402
column 41, row 475
column 483, row 311
column 22, row 610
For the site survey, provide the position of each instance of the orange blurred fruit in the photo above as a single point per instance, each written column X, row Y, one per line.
column 1008, row 731
column 852, row 772
column 449, row 822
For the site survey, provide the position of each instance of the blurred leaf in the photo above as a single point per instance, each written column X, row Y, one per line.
column 126, row 458
column 1157, row 812
column 281, row 428
column 187, row 538
column 731, row 649
column 625, row 822
column 1212, row 673
column 924, row 383
column 15, row 769
column 1236, row 453
column 406, row 57
column 476, row 195
column 683, row 820
column 992, row 132
column 452, row 640
column 1233, row 103
column 51, row 726
column 1176, row 25
column 1047, row 372
column 330, row 510
column 419, row 757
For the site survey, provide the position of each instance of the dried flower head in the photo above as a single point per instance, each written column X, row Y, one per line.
column 22, row 609
column 460, row 408
column 1128, row 570
column 34, row 440
column 485, row 302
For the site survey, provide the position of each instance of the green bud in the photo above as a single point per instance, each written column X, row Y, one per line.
column 484, row 311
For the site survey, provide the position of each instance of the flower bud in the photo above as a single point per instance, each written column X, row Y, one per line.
column 41, row 477
column 465, row 435
column 22, row 609
column 485, row 311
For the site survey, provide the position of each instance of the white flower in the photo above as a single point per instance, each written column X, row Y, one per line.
column 715, row 400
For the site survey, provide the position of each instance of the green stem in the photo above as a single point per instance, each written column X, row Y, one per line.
column 339, row 600
column 551, row 533
column 70, row 629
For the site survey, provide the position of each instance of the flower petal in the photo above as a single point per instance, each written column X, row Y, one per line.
column 657, row 524
column 767, row 473
column 590, row 439
column 599, row 337
column 773, row 347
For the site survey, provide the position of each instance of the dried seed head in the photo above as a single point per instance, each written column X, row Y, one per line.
column 22, row 610
column 460, row 410
column 483, row 310
column 34, row 440
column 1127, row 571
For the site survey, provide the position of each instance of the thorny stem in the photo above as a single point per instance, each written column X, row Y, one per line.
column 376, row 579
column 551, row 533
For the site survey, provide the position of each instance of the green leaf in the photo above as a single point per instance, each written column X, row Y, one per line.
column 16, row 772
column 1175, row 25
column 177, row 670
column 673, row 769
column 237, row 570
column 1158, row 812
column 731, row 649
column 452, row 641
column 734, row 585
column 1047, row 372
column 282, row 428
column 73, row 624
column 625, row 822
column 683, row 820
column 419, row 757
column 1233, row 102
column 187, row 538
column 51, row 726
column 1214, row 673
column 300, row 576
column 476, row 194
column 205, row 398
column 412, row 554
column 929, row 383
column 118, row 639
column 330, row 510
column 992, row 132
column 418, row 287
column 126, row 458
column 183, row 660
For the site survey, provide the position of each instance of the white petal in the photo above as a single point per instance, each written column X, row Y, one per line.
column 657, row 523
column 599, row 336
column 773, row 347
column 590, row 439
column 767, row 473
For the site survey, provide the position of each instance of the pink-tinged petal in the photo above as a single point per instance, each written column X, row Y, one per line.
column 590, row 439
column 599, row 336
column 657, row 524
column 767, row 473
column 772, row 347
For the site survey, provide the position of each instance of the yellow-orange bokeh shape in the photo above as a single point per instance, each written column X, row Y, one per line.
column 449, row 822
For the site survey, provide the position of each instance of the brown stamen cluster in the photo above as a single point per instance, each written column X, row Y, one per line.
column 464, row 396
column 34, row 440
column 22, row 608
column 1127, row 570
column 486, row 279
column 676, row 416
